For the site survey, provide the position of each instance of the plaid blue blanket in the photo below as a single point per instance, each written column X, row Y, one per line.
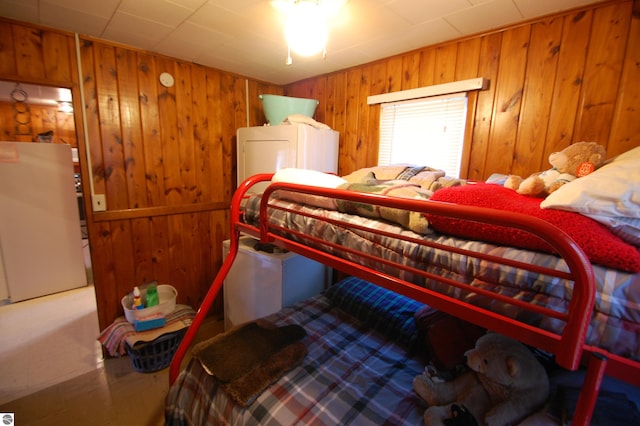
column 351, row 375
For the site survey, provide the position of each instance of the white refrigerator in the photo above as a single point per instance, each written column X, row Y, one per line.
column 267, row 149
column 40, row 237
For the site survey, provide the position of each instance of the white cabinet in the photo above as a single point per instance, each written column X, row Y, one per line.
column 261, row 283
column 267, row 149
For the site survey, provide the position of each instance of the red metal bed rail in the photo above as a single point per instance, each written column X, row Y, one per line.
column 568, row 346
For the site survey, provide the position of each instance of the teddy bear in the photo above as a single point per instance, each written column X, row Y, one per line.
column 576, row 160
column 503, row 384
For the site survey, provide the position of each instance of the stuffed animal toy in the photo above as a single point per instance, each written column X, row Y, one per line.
column 504, row 384
column 574, row 161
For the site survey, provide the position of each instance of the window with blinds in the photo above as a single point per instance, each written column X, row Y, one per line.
column 427, row 132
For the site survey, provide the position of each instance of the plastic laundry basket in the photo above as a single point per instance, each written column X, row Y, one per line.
column 157, row 354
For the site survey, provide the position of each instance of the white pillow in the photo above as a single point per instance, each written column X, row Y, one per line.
column 307, row 177
column 611, row 191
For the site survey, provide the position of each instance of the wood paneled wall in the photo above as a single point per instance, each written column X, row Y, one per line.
column 42, row 118
column 554, row 81
column 165, row 157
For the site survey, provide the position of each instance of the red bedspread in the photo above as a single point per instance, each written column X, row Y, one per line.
column 599, row 244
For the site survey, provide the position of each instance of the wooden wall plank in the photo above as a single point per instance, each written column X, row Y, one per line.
column 467, row 59
column 427, row 70
column 216, row 185
column 121, row 241
column 168, row 115
column 92, row 118
column 154, row 183
column 104, row 273
column 319, row 92
column 352, row 145
column 108, row 100
column 602, row 73
column 508, row 98
column 229, row 127
column 445, row 66
column 568, row 81
column 410, row 70
column 542, row 63
column 142, row 252
column 489, row 58
column 625, row 129
column 29, row 54
column 376, row 86
column 131, row 128
column 8, row 60
column 185, row 142
column 65, row 126
column 201, row 138
column 56, row 56
column 160, row 256
column 329, row 99
column 339, row 122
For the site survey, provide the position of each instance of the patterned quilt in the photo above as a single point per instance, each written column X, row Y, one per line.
column 351, row 375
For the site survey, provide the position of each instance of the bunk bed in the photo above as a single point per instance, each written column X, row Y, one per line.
column 480, row 258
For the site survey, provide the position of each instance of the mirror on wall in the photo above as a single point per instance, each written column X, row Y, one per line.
column 36, row 113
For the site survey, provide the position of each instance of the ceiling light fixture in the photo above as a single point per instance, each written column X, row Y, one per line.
column 65, row 107
column 306, row 30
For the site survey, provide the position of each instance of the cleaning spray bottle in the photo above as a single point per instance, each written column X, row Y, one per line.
column 137, row 299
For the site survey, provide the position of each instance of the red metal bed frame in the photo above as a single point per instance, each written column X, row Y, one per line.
column 569, row 347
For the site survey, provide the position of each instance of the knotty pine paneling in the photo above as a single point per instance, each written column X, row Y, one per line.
column 43, row 118
column 165, row 157
column 553, row 81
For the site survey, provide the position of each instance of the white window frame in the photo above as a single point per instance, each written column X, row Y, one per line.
column 450, row 130
column 425, row 132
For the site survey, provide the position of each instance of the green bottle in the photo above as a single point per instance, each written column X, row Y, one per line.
column 152, row 296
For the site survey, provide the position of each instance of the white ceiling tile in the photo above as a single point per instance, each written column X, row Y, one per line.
column 189, row 4
column 189, row 40
column 22, row 10
column 426, row 10
column 485, row 16
column 125, row 23
column 129, row 37
column 532, row 9
column 101, row 8
column 161, row 11
column 71, row 20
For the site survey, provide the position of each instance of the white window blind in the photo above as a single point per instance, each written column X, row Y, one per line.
column 426, row 132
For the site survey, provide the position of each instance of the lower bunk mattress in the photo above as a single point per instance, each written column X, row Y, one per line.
column 352, row 374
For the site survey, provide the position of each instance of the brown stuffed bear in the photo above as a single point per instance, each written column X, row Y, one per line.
column 505, row 384
column 574, row 161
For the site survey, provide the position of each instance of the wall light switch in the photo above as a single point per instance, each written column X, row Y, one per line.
column 99, row 202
